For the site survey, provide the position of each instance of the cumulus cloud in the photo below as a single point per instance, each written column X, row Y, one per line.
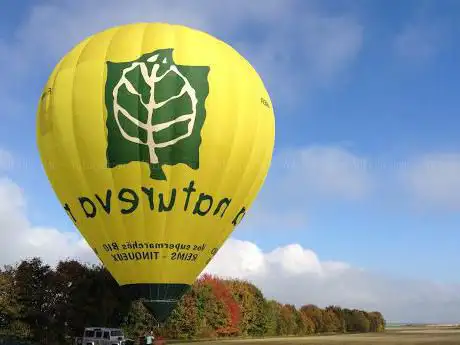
column 286, row 37
column 434, row 180
column 296, row 275
column 22, row 240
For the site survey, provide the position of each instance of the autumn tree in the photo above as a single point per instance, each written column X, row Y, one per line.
column 315, row 314
column 287, row 324
column 252, row 303
column 305, row 325
column 184, row 322
column 331, row 322
column 222, row 291
column 212, row 310
column 376, row 322
column 341, row 326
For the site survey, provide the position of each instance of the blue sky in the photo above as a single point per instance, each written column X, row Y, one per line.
column 366, row 172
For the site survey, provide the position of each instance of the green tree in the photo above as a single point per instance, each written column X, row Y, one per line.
column 272, row 310
column 357, row 321
column 35, row 296
column 10, row 323
column 184, row 321
column 68, row 279
column 138, row 321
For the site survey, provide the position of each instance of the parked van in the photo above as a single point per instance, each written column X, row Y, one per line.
column 102, row 336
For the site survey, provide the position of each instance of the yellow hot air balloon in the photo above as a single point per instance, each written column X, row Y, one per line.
column 156, row 139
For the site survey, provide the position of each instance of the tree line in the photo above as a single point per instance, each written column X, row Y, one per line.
column 52, row 306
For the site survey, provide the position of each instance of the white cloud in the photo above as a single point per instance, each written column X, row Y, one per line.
column 434, row 180
column 324, row 171
column 292, row 274
column 21, row 240
column 286, row 37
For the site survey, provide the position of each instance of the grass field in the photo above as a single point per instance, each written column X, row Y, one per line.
column 394, row 336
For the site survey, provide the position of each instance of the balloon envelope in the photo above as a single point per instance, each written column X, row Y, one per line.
column 156, row 139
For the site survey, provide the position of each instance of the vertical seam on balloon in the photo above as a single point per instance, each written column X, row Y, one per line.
column 104, row 121
column 218, row 234
column 46, row 161
column 51, row 83
column 239, row 187
column 78, row 154
column 267, row 153
column 165, row 293
column 224, row 172
column 252, row 151
column 252, row 69
column 188, row 234
column 259, row 172
column 139, row 148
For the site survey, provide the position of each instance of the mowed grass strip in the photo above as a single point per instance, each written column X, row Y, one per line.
column 419, row 335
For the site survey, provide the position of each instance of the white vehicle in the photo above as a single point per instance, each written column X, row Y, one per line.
column 102, row 336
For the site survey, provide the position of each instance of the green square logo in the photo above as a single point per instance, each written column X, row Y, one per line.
column 155, row 112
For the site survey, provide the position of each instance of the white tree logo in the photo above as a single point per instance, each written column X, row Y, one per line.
column 156, row 104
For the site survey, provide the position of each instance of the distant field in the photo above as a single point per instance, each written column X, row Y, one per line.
column 394, row 336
